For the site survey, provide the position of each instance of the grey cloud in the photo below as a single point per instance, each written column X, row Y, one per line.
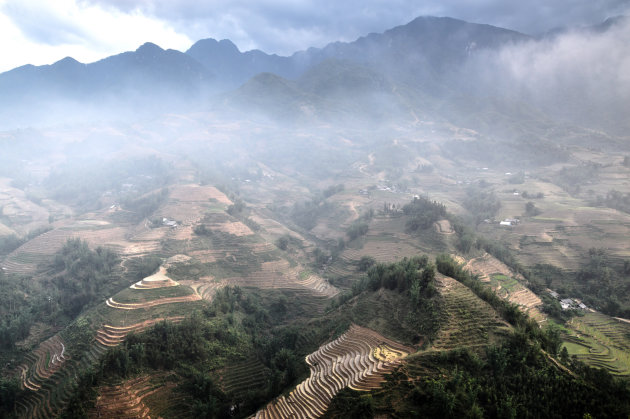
column 564, row 75
column 285, row 26
column 44, row 25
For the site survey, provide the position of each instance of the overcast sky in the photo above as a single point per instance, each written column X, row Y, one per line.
column 45, row 31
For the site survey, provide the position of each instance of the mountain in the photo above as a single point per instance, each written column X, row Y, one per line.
column 233, row 67
column 431, row 66
column 144, row 81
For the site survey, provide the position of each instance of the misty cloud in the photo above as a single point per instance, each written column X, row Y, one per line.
column 283, row 27
column 565, row 75
column 92, row 29
column 45, row 24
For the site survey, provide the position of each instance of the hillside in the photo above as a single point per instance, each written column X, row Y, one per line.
column 430, row 67
column 350, row 231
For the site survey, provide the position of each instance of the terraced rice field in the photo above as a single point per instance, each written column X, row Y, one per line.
column 319, row 284
column 157, row 280
column 600, row 341
column 196, row 193
column 114, row 335
column 24, row 259
column 152, row 303
column 468, row 321
column 54, row 385
column 208, row 288
column 42, row 363
column 236, row 228
column 125, row 400
column 166, row 402
column 487, row 265
column 279, row 274
column 241, row 377
column 55, row 390
column 444, row 227
column 505, row 283
column 358, row 359
column 385, row 249
column 101, row 236
column 188, row 204
column 340, row 269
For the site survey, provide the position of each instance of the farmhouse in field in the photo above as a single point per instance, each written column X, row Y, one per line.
column 169, row 223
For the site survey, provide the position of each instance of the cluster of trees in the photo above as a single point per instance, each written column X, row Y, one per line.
column 360, row 226
column 517, row 178
column 11, row 242
column 365, row 263
column 357, row 229
column 481, row 204
column 422, row 213
column 306, row 214
column 17, row 313
column 83, row 184
column 531, row 210
column 9, row 388
column 143, row 206
column 82, row 276
column 414, row 277
column 332, row 190
column 572, row 178
column 78, row 277
column 548, row 339
column 234, row 326
column 528, row 195
column 512, row 380
column 237, row 207
column 602, row 284
column 615, row 199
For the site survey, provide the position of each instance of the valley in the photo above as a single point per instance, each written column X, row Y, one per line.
column 353, row 240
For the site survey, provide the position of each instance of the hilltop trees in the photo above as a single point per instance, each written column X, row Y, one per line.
column 82, row 275
column 423, row 213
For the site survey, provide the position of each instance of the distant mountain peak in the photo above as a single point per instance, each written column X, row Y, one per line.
column 212, row 46
column 68, row 62
column 149, row 48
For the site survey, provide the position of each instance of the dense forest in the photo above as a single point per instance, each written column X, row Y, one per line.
column 76, row 278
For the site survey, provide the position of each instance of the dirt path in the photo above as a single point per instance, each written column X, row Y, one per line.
column 135, row 306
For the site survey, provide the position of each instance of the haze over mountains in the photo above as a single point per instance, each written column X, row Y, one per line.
column 442, row 67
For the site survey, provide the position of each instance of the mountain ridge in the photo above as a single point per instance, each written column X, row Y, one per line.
column 424, row 58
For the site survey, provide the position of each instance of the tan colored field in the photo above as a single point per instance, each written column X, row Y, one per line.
column 235, row 228
column 42, row 363
column 444, row 227
column 24, row 214
column 101, row 237
column 110, row 336
column 348, row 361
column 206, row 256
column 487, row 266
column 123, row 400
column 157, row 280
column 196, row 193
column 183, row 232
column 468, row 320
column 187, row 213
column 148, row 304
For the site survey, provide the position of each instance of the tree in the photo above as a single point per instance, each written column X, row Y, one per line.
column 282, row 243
column 531, row 210
column 365, row 263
